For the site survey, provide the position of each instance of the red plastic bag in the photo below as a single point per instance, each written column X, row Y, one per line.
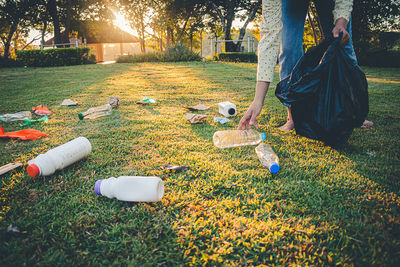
column 27, row 134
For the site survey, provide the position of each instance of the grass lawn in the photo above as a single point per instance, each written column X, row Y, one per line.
column 325, row 206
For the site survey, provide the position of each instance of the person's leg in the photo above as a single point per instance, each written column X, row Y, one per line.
column 293, row 18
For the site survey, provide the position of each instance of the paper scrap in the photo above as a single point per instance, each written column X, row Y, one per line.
column 200, row 107
column 8, row 167
column 68, row 102
column 195, row 118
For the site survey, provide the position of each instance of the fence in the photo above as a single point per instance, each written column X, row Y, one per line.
column 73, row 44
column 250, row 42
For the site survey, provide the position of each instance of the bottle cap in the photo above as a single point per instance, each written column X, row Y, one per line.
column 33, row 170
column 263, row 136
column 274, row 168
column 97, row 187
column 80, row 116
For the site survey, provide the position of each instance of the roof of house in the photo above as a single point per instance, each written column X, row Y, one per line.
column 102, row 32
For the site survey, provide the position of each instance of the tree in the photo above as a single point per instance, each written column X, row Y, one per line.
column 227, row 11
column 370, row 16
column 14, row 15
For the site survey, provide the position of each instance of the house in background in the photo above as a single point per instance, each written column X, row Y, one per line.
column 106, row 41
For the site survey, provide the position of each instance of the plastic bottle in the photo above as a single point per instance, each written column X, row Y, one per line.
column 234, row 138
column 267, row 157
column 131, row 188
column 227, row 109
column 103, row 110
column 59, row 157
column 19, row 116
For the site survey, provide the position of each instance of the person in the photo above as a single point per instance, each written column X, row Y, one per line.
column 282, row 26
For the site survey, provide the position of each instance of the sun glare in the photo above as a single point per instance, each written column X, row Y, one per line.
column 122, row 23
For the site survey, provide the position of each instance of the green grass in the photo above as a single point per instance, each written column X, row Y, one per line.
column 325, row 206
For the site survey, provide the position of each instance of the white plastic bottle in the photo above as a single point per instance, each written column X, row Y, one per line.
column 267, row 157
column 103, row 110
column 131, row 188
column 59, row 157
column 234, row 138
column 227, row 109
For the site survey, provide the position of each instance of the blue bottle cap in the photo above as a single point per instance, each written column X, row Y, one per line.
column 263, row 136
column 274, row 168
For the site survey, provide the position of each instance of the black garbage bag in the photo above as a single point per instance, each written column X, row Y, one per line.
column 327, row 94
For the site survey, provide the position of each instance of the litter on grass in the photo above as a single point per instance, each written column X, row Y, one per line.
column 45, row 119
column 41, row 110
column 96, row 112
column 195, row 118
column 175, row 168
column 19, row 116
column 199, row 107
column 8, row 167
column 27, row 134
column 113, row 101
column 146, row 101
column 13, row 229
column 68, row 102
column 221, row 120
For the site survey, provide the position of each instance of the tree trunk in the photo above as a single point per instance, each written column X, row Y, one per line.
column 67, row 22
column 52, row 8
column 249, row 19
column 229, row 46
column 44, row 31
column 7, row 45
column 170, row 36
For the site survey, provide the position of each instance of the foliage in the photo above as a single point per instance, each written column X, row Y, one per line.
column 238, row 57
column 379, row 58
column 54, row 57
column 325, row 207
column 175, row 53
column 9, row 62
column 227, row 11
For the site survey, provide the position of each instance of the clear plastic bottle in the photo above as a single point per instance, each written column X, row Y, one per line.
column 59, row 157
column 267, row 157
column 234, row 138
column 131, row 188
column 103, row 110
column 19, row 116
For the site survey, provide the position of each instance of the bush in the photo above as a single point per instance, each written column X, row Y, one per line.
column 9, row 63
column 238, row 57
column 379, row 58
column 54, row 57
column 149, row 57
column 175, row 53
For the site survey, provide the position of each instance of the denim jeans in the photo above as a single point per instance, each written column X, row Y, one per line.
column 293, row 19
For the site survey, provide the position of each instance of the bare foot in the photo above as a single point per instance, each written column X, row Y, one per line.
column 367, row 124
column 288, row 126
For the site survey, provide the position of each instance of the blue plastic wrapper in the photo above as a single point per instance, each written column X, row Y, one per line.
column 327, row 94
column 221, row 120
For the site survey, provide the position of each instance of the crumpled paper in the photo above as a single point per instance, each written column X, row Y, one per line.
column 113, row 101
column 195, row 118
column 200, row 107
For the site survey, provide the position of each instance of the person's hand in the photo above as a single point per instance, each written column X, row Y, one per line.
column 250, row 118
column 341, row 26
